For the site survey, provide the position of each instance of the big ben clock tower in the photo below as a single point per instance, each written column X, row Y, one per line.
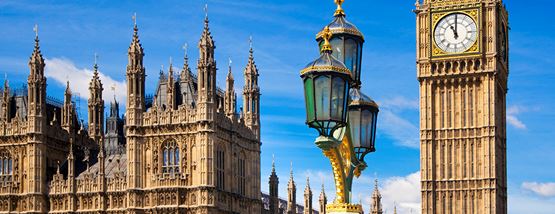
column 462, row 67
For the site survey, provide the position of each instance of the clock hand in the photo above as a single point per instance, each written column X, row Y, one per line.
column 455, row 31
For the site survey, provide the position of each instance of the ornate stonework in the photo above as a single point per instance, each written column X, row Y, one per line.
column 184, row 150
column 463, row 108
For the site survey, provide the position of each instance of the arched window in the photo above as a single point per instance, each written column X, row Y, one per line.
column 170, row 159
column 220, row 165
column 5, row 164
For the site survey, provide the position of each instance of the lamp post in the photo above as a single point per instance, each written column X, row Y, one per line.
column 344, row 117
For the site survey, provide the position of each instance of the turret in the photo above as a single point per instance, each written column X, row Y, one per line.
column 186, row 82
column 274, row 192
column 291, row 195
column 170, row 88
column 96, row 107
column 230, row 96
column 67, row 111
column 376, row 206
column 36, row 90
column 135, row 81
column 307, row 198
column 5, row 103
column 251, row 96
column 323, row 200
column 206, row 75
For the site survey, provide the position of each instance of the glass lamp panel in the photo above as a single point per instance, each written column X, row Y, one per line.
column 374, row 122
column 358, row 62
column 367, row 128
column 309, row 99
column 338, row 48
column 338, row 98
column 354, row 124
column 351, row 55
column 322, row 87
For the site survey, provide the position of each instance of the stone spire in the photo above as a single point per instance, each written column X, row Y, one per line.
column 291, row 194
column 307, row 198
column 274, row 186
column 251, row 95
column 170, row 88
column 186, row 72
column 230, row 96
column 36, row 86
column 206, row 66
column 67, row 111
column 376, row 206
column 323, row 200
column 96, row 106
column 5, row 108
column 135, row 79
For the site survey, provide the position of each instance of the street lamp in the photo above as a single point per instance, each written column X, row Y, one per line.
column 326, row 84
column 346, row 123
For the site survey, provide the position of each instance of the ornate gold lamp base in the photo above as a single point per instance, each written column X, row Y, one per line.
column 341, row 208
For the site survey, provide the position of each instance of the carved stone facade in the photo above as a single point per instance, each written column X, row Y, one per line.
column 463, row 105
column 184, row 150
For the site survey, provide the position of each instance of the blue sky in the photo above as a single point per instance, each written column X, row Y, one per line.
column 283, row 31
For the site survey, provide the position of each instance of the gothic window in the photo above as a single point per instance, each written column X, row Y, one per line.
column 241, row 174
column 170, row 157
column 5, row 164
column 220, row 165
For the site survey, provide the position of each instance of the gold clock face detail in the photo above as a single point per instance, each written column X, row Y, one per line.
column 455, row 33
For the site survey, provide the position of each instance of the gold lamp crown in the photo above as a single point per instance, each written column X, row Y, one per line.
column 339, row 11
column 326, row 35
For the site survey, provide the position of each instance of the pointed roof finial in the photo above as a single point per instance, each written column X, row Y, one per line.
column 171, row 61
column 36, row 30
column 291, row 170
column 206, row 11
column 95, row 64
column 250, row 41
column 113, row 88
column 273, row 163
column 339, row 11
column 134, row 17
column 58, row 167
column 185, row 47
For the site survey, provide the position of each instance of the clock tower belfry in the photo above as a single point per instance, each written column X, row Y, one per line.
column 462, row 67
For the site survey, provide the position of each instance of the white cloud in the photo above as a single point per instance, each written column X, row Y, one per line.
column 401, row 103
column 401, row 130
column 523, row 204
column 512, row 118
column 62, row 70
column 402, row 191
column 542, row 189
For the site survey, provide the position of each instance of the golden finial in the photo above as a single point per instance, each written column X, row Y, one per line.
column 339, row 11
column 326, row 35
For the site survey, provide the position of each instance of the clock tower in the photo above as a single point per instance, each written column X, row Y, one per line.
column 462, row 67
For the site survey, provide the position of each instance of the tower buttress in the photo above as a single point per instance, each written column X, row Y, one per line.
column 36, row 120
column 323, row 200
column 206, row 75
column 274, row 190
column 134, row 116
column 307, row 198
column 230, row 96
column 376, row 206
column 251, row 96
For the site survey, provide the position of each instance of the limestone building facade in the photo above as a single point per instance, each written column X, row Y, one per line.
column 185, row 149
column 462, row 67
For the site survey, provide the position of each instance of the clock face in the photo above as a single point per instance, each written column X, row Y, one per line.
column 455, row 33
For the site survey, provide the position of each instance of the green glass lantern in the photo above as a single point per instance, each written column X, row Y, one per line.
column 346, row 42
column 326, row 85
column 363, row 116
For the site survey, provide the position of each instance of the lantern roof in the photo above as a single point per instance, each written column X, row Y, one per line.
column 360, row 99
column 326, row 62
column 340, row 25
